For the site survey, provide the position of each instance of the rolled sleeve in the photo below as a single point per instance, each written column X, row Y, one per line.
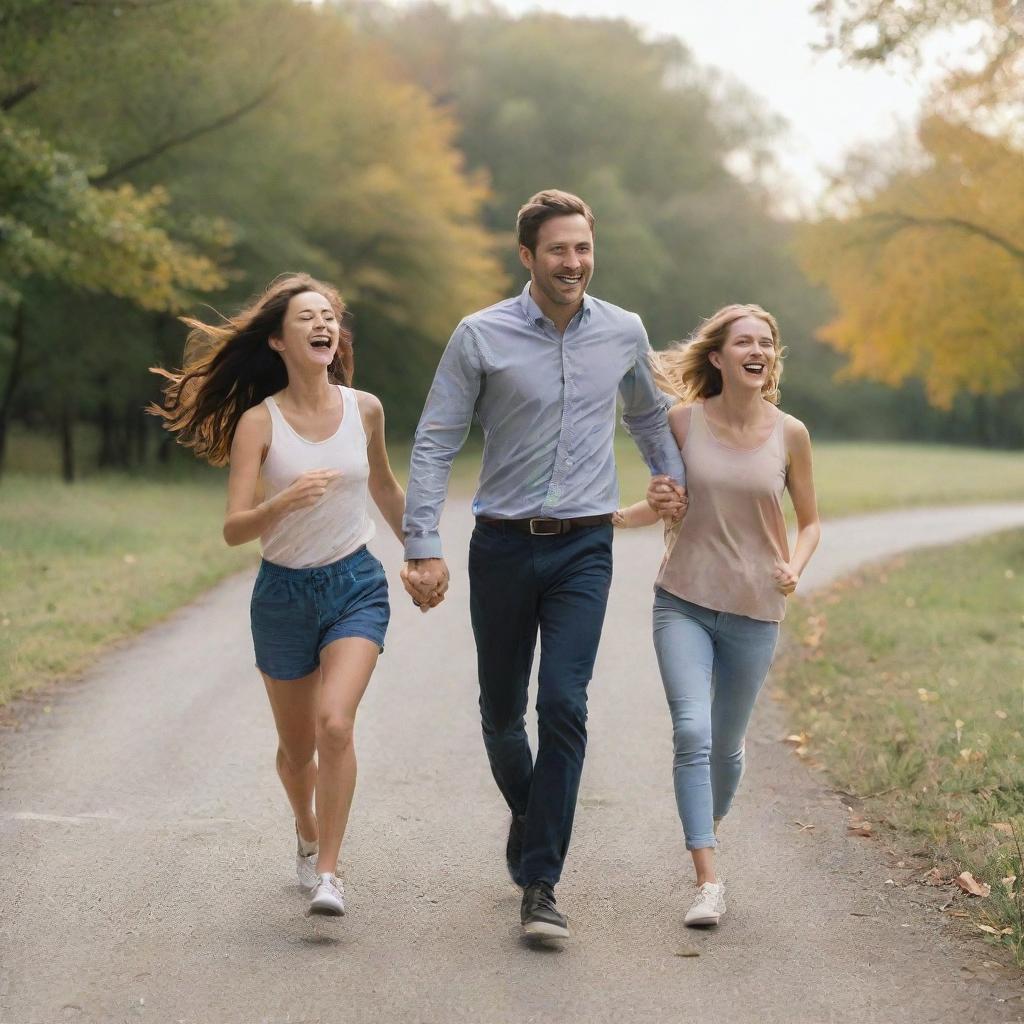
column 645, row 416
column 441, row 433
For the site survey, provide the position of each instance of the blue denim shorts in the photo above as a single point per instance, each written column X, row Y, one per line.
column 296, row 613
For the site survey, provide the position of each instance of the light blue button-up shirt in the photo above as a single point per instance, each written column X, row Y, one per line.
column 547, row 407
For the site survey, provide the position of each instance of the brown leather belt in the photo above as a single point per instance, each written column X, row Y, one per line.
column 542, row 526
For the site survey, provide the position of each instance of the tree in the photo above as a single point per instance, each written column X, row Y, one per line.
column 875, row 31
column 927, row 269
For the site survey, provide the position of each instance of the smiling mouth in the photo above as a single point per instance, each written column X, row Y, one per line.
column 570, row 282
column 755, row 369
column 321, row 342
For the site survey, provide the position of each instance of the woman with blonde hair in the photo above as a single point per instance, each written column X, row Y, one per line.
column 269, row 392
column 721, row 591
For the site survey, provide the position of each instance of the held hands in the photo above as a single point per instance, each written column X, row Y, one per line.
column 306, row 490
column 785, row 579
column 425, row 580
column 667, row 498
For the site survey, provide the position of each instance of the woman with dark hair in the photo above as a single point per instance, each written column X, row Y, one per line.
column 721, row 592
column 269, row 392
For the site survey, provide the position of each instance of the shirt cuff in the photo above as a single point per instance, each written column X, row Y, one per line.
column 427, row 545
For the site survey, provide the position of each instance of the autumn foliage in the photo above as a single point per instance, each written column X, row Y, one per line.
column 927, row 268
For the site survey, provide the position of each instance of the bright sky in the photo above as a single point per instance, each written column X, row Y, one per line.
column 767, row 45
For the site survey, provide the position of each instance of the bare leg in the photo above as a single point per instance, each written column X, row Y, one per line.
column 346, row 666
column 704, row 864
column 294, row 703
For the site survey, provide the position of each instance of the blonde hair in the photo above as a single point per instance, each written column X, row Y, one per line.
column 686, row 371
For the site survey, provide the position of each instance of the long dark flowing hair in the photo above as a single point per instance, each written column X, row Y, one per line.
column 231, row 367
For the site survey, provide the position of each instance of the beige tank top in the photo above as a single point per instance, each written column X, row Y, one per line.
column 723, row 554
column 339, row 523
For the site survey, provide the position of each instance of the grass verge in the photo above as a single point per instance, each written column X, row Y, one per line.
column 84, row 565
column 906, row 683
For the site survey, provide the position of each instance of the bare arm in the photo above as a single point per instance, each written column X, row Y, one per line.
column 640, row 514
column 246, row 519
column 800, row 484
column 385, row 490
column 664, row 496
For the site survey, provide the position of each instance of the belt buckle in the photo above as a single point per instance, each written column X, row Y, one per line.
column 542, row 520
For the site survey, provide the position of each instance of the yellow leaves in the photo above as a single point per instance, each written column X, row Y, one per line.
column 927, row 269
column 799, row 741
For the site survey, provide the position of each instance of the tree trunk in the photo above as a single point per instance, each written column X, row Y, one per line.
column 67, row 441
column 108, row 444
column 13, row 378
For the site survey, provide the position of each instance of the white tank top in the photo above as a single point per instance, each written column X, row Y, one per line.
column 338, row 524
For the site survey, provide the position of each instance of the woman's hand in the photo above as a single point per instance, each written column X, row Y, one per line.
column 667, row 499
column 305, row 490
column 785, row 579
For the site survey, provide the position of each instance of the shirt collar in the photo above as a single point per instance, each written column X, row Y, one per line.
column 533, row 313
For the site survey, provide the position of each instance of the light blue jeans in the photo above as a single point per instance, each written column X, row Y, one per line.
column 713, row 664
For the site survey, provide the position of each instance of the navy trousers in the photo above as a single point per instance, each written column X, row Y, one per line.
column 557, row 587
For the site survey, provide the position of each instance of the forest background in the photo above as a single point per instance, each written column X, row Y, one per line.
column 160, row 157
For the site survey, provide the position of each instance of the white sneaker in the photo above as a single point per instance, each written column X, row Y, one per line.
column 305, row 861
column 707, row 906
column 328, row 897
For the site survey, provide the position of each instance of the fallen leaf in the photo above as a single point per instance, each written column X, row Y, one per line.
column 1009, row 881
column 959, row 723
column 861, row 828
column 1001, row 714
column 688, row 951
column 130, row 559
column 798, row 739
column 987, row 928
column 803, row 827
column 936, row 877
column 1002, row 826
column 972, row 886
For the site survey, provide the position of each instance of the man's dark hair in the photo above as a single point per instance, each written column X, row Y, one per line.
column 552, row 202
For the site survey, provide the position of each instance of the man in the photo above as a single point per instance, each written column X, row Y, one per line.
column 541, row 372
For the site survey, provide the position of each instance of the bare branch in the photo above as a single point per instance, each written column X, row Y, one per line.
column 898, row 221
column 185, row 137
column 12, row 99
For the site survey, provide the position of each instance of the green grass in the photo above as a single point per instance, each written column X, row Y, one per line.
column 908, row 682
column 84, row 565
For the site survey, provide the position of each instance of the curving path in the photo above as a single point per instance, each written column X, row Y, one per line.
column 146, row 852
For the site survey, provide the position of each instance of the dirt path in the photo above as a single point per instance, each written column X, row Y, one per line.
column 145, row 849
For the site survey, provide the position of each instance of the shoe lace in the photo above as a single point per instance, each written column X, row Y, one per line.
column 707, row 893
column 545, row 896
column 332, row 883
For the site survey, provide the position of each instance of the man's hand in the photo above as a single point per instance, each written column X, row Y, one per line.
column 425, row 581
column 667, row 498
